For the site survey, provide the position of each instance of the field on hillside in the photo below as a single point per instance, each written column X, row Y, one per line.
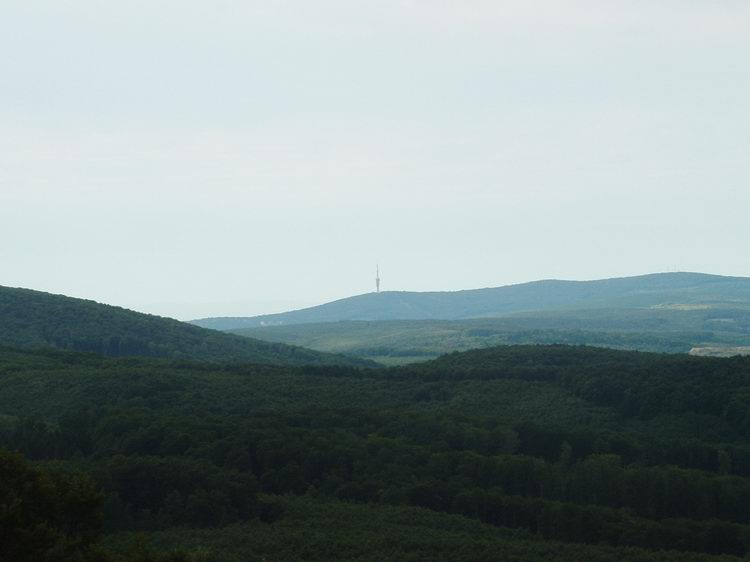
column 671, row 330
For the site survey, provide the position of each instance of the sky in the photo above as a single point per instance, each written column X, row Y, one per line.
column 230, row 158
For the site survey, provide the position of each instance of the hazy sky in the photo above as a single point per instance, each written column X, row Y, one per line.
column 194, row 158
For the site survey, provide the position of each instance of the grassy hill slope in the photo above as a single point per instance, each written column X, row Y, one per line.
column 33, row 319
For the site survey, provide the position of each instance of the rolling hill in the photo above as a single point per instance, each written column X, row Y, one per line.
column 670, row 312
column 676, row 291
column 721, row 331
column 33, row 319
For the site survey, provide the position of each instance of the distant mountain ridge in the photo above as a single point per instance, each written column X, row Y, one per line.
column 34, row 319
column 654, row 290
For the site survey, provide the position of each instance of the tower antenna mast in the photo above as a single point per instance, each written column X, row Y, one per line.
column 377, row 278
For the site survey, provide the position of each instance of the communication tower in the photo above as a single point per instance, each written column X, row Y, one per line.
column 377, row 278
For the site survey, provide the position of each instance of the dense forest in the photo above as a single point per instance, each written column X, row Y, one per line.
column 513, row 453
column 34, row 319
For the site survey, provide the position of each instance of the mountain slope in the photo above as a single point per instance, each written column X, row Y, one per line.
column 665, row 290
column 33, row 319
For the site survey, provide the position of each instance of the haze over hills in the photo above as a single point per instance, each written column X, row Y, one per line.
column 662, row 290
column 34, row 319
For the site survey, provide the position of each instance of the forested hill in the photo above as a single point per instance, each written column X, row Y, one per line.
column 532, row 453
column 662, row 290
column 33, row 319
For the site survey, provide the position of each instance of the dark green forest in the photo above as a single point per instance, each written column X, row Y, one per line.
column 33, row 319
column 506, row 453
